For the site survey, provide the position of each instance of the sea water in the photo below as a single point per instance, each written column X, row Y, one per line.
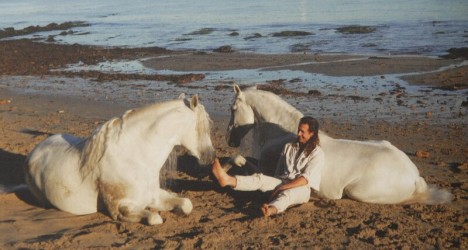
column 424, row 27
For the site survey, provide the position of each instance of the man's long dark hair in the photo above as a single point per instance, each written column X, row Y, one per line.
column 313, row 127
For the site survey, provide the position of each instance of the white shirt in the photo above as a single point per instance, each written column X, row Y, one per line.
column 308, row 166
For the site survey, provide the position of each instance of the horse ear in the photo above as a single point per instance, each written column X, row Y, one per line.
column 194, row 102
column 182, row 96
column 236, row 89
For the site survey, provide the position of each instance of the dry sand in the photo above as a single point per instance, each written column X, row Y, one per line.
column 223, row 218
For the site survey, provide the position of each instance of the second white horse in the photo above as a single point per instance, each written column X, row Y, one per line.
column 367, row 171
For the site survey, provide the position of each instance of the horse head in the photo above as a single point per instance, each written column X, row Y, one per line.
column 198, row 141
column 242, row 119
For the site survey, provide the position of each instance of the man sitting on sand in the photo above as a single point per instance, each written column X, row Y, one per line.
column 298, row 170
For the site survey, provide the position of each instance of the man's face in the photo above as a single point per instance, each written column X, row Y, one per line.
column 303, row 133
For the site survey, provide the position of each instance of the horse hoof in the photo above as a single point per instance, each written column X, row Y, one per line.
column 186, row 206
column 154, row 219
column 239, row 160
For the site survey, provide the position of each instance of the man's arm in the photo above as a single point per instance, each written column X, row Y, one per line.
column 297, row 182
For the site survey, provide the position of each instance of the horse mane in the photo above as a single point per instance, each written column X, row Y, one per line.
column 202, row 127
column 204, row 122
column 94, row 147
column 161, row 107
column 262, row 102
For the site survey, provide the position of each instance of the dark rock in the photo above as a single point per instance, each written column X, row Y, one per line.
column 203, row 31
column 314, row 92
column 356, row 29
column 292, row 33
column 454, row 53
column 224, row 49
column 255, row 35
column 10, row 32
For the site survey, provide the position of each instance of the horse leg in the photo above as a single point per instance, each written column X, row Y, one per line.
column 124, row 209
column 169, row 201
column 129, row 213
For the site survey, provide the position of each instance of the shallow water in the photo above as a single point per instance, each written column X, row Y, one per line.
column 353, row 98
column 427, row 27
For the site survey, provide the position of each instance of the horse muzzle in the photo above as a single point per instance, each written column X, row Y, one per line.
column 207, row 157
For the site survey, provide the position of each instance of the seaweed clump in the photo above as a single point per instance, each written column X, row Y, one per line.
column 356, row 29
column 292, row 33
column 11, row 32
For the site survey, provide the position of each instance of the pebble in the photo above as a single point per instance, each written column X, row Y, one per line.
column 422, row 154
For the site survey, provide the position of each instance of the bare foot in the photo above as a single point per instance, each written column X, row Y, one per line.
column 223, row 178
column 268, row 210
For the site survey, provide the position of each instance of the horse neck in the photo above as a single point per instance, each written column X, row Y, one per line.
column 155, row 129
column 133, row 132
column 272, row 109
column 153, row 110
column 269, row 108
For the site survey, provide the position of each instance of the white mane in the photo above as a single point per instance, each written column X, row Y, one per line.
column 204, row 122
column 268, row 107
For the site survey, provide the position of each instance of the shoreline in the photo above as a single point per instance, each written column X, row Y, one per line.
column 25, row 57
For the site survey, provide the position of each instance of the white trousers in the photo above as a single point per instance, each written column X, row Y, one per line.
column 286, row 198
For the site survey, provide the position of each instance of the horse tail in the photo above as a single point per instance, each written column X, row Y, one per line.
column 430, row 194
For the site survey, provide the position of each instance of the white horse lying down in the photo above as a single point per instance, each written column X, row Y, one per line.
column 367, row 171
column 117, row 167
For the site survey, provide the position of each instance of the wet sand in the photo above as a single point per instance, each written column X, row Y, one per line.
column 221, row 217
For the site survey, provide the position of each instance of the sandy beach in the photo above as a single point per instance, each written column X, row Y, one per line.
column 223, row 218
